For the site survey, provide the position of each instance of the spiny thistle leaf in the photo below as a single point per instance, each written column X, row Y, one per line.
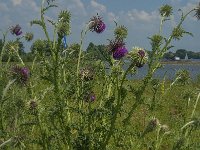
column 46, row 8
column 178, row 32
column 52, row 22
column 37, row 22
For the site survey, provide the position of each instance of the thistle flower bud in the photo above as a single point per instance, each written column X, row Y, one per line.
column 177, row 33
column 139, row 56
column 21, row 74
column 28, row 36
column 156, row 40
column 96, row 24
column 121, row 32
column 49, row 1
column 63, row 27
column 166, row 10
column 197, row 12
column 16, row 30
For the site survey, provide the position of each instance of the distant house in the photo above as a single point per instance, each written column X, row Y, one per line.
column 177, row 58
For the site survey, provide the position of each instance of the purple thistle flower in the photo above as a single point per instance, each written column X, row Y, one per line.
column 21, row 74
column 96, row 24
column 90, row 97
column 120, row 52
column 114, row 44
column 141, row 53
column 16, row 30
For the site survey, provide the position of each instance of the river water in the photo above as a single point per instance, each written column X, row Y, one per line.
column 169, row 71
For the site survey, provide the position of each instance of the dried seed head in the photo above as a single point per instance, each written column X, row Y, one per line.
column 87, row 74
column 164, row 129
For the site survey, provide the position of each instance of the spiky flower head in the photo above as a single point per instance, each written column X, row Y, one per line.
column 12, row 47
column 139, row 56
column 177, row 33
column 120, row 32
column 96, row 24
column 28, row 36
column 63, row 27
column 117, row 48
column 114, row 44
column 21, row 74
column 156, row 40
column 120, row 52
column 197, row 12
column 16, row 30
column 87, row 74
column 166, row 10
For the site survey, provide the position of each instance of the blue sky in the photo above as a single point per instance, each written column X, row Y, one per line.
column 141, row 17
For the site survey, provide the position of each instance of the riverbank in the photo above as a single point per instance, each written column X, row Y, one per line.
column 181, row 62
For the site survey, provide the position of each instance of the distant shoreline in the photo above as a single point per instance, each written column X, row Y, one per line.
column 181, row 62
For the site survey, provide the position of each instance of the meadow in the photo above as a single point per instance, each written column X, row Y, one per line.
column 66, row 100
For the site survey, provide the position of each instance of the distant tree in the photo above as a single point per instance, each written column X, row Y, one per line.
column 169, row 55
column 1, row 44
column 181, row 53
column 21, row 48
column 40, row 47
column 97, row 52
column 73, row 50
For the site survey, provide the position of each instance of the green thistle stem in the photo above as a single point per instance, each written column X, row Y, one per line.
column 83, row 33
column 22, row 62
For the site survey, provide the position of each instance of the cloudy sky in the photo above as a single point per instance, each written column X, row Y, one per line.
column 141, row 17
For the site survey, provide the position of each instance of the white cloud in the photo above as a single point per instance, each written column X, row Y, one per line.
column 141, row 15
column 76, row 6
column 3, row 7
column 98, row 7
column 16, row 2
column 112, row 17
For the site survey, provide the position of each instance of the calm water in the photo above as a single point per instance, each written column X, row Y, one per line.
column 169, row 71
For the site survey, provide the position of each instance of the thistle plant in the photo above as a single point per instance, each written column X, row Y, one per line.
column 70, row 103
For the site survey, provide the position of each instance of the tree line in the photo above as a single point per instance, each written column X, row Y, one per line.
column 92, row 52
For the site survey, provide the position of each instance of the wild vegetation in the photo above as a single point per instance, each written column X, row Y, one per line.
column 65, row 99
